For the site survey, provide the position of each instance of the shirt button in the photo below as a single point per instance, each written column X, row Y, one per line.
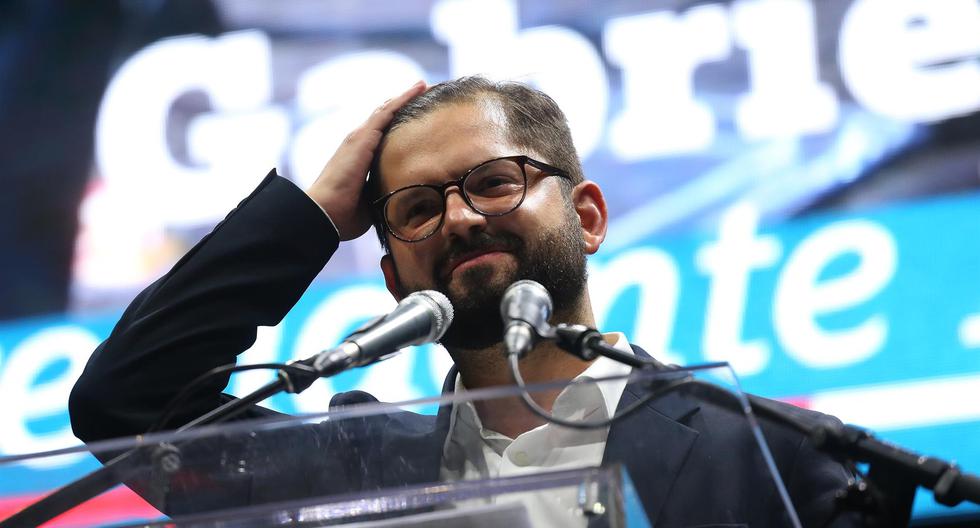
column 521, row 458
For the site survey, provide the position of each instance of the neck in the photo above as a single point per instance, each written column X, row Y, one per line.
column 488, row 367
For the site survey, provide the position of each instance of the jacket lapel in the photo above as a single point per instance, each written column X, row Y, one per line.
column 423, row 448
column 652, row 443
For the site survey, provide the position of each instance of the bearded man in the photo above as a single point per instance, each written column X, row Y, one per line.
column 473, row 185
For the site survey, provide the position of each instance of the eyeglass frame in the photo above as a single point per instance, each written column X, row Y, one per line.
column 522, row 160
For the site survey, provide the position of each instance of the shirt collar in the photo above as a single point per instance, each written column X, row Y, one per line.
column 610, row 391
column 604, row 367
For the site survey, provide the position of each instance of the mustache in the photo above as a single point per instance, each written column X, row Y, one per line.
column 479, row 242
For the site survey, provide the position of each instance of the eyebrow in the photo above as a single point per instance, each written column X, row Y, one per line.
column 427, row 180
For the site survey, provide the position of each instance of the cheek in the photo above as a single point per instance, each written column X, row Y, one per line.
column 536, row 199
column 534, row 216
column 545, row 205
column 411, row 264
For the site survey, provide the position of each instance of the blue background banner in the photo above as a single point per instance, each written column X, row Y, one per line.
column 888, row 303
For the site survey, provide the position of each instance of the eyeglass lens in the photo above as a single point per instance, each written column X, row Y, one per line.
column 494, row 188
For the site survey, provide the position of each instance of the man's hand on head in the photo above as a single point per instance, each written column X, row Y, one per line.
column 338, row 187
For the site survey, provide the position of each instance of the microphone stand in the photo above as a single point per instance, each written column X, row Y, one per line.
column 883, row 497
column 166, row 457
column 587, row 344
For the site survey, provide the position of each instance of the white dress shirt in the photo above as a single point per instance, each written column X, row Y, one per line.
column 472, row 451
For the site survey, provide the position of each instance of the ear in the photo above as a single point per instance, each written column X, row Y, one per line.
column 590, row 206
column 391, row 276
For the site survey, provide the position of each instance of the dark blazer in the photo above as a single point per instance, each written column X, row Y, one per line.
column 692, row 462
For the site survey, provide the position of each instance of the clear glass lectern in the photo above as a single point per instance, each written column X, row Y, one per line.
column 375, row 464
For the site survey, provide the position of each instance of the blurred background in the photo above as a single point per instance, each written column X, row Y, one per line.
column 793, row 184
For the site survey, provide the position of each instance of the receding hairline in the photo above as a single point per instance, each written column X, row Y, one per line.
column 489, row 101
column 482, row 96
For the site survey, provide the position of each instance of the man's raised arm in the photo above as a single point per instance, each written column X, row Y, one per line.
column 248, row 272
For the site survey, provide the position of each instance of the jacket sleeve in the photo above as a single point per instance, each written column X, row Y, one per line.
column 248, row 272
column 813, row 478
column 814, row 482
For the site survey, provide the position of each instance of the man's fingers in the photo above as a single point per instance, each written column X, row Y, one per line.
column 342, row 179
column 362, row 138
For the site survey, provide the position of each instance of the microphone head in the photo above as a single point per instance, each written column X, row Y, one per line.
column 525, row 310
column 528, row 301
column 440, row 307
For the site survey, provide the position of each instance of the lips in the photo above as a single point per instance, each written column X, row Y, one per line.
column 456, row 260
column 462, row 250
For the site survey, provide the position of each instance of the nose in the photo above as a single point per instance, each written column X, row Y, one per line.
column 460, row 219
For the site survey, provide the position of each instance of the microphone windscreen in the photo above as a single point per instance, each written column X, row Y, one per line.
column 442, row 310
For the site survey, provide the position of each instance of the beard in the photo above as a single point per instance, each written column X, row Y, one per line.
column 554, row 258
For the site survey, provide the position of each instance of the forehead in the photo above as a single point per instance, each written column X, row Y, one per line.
column 444, row 144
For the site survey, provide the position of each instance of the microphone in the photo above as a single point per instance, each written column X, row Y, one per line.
column 422, row 317
column 525, row 309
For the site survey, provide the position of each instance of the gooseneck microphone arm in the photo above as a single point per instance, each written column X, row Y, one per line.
column 884, row 496
column 894, row 471
column 422, row 317
column 587, row 344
